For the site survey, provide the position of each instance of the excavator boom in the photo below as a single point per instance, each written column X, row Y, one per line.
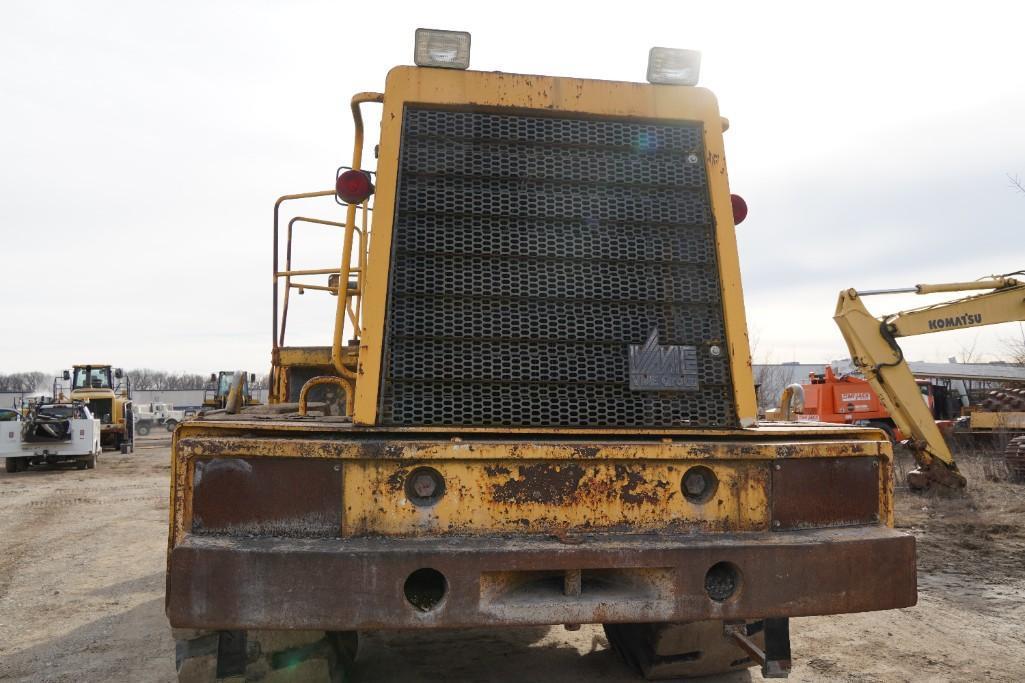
column 872, row 342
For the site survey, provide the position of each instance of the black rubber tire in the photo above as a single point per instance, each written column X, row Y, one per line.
column 12, row 465
column 90, row 462
column 169, row 425
column 142, row 429
column 887, row 429
column 1014, row 457
column 213, row 656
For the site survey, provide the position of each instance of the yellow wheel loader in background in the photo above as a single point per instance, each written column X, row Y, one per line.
column 108, row 392
column 536, row 406
column 229, row 390
column 873, row 345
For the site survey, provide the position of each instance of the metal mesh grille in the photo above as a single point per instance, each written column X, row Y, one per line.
column 529, row 253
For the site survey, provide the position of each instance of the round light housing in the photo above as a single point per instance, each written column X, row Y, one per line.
column 739, row 208
column 424, row 486
column 354, row 187
column 722, row 581
column 699, row 484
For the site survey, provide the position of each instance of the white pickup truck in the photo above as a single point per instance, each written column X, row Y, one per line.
column 149, row 415
column 50, row 433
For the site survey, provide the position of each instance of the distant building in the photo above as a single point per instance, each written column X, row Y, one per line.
column 181, row 397
column 177, row 397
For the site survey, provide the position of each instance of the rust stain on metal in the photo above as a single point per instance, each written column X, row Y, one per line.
column 548, row 496
column 787, row 450
column 396, row 481
column 633, row 490
column 562, row 535
column 383, row 450
column 266, row 496
column 646, row 574
column 587, row 452
column 540, row 483
column 816, row 493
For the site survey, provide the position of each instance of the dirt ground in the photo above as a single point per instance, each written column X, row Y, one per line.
column 82, row 570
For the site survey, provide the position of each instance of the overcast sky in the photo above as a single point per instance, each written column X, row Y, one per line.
column 142, row 145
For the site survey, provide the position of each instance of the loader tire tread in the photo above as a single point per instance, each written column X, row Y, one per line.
column 268, row 656
column 672, row 651
column 1014, row 457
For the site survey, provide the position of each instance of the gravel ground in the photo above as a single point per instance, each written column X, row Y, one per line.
column 82, row 577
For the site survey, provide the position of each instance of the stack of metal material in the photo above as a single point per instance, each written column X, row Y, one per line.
column 1006, row 400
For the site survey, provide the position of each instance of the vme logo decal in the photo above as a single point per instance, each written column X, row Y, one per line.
column 956, row 321
column 662, row 368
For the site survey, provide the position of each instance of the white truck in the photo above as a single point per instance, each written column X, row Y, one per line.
column 50, row 433
column 150, row 415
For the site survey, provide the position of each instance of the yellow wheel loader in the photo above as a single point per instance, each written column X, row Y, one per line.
column 536, row 405
column 229, row 390
column 108, row 393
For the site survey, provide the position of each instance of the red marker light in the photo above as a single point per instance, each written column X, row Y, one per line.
column 739, row 208
column 353, row 187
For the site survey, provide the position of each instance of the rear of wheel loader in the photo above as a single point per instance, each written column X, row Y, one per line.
column 537, row 405
column 314, row 526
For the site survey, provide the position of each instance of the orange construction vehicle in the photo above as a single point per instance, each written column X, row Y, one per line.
column 847, row 399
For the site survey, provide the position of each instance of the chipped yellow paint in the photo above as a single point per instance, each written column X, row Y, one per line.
column 886, row 478
column 496, row 496
column 997, row 420
column 305, row 357
column 616, row 484
column 419, row 449
column 302, row 355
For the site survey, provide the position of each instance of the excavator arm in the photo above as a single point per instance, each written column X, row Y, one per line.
column 873, row 345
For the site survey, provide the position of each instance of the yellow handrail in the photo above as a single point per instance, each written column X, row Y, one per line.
column 350, row 225
column 277, row 210
column 325, row 379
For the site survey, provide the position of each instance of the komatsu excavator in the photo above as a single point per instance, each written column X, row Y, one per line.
column 873, row 345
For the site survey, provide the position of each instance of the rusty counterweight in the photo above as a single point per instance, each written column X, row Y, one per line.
column 358, row 583
column 326, row 531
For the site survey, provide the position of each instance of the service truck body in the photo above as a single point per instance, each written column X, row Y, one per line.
column 50, row 433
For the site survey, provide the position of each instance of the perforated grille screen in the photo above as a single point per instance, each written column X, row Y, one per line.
column 529, row 253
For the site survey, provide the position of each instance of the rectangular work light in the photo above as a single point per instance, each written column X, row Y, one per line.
column 445, row 49
column 673, row 67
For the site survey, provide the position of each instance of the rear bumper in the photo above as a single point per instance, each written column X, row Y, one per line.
column 352, row 584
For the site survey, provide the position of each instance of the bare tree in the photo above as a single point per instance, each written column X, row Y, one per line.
column 158, row 380
column 770, row 381
column 1016, row 183
column 142, row 378
column 968, row 353
column 24, row 382
column 1016, row 347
